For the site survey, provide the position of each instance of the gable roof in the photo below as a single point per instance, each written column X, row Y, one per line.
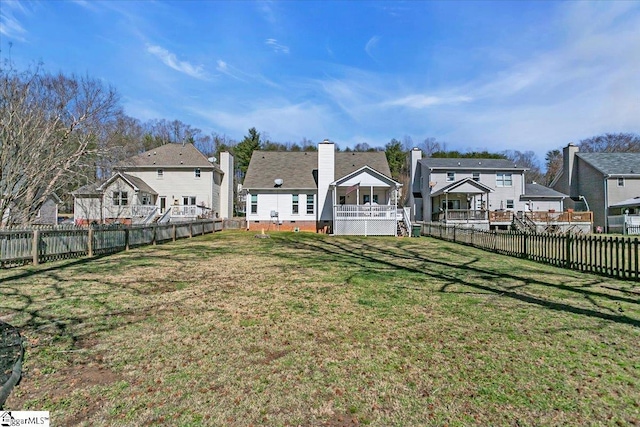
column 365, row 170
column 463, row 182
column 537, row 191
column 169, row 155
column 88, row 190
column 135, row 182
column 299, row 169
column 613, row 163
column 465, row 163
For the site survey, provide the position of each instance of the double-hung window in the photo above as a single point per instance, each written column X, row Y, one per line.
column 504, row 179
column 620, row 182
column 310, row 204
column 451, row 176
column 196, row 172
column 120, row 198
column 294, row 204
column 254, row 203
column 476, row 176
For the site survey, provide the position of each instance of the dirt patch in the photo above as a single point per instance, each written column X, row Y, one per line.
column 342, row 420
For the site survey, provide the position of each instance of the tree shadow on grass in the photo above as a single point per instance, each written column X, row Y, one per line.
column 351, row 252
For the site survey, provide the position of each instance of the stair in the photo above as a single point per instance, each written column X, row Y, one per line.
column 402, row 229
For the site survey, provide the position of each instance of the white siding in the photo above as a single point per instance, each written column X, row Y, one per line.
column 86, row 208
column 281, row 203
column 178, row 183
column 326, row 175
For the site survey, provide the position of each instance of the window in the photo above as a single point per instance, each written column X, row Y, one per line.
column 452, row 204
column 503, row 179
column 254, row 203
column 451, row 176
column 343, row 200
column 146, row 200
column 366, row 198
column 120, row 198
column 509, row 204
column 160, row 173
column 620, row 182
column 189, row 200
column 310, row 206
column 197, row 172
column 294, row 204
column 476, row 176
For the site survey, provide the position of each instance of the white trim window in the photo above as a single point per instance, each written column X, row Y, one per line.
column 476, row 176
column 254, row 203
column 160, row 173
column 120, row 198
column 510, row 204
column 504, row 179
column 620, row 182
column 310, row 204
column 451, row 176
column 197, row 173
column 295, row 208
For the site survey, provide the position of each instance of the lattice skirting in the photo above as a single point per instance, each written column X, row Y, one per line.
column 365, row 227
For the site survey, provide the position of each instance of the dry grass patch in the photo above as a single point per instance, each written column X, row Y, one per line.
column 302, row 329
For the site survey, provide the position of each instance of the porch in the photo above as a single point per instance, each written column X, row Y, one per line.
column 366, row 220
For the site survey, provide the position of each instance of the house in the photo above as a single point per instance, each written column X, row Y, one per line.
column 173, row 182
column 344, row 193
column 46, row 215
column 605, row 183
column 483, row 193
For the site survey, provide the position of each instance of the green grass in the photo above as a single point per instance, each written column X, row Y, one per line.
column 305, row 329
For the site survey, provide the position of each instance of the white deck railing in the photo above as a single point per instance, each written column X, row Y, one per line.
column 365, row 211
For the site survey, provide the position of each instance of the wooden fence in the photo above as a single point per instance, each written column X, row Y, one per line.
column 39, row 245
column 607, row 255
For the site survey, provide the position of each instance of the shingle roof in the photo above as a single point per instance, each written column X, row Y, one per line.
column 298, row 170
column 139, row 182
column 613, row 163
column 464, row 163
column 169, row 155
column 87, row 190
column 537, row 190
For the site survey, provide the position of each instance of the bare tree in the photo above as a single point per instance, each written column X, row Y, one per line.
column 430, row 145
column 529, row 160
column 611, row 143
column 50, row 135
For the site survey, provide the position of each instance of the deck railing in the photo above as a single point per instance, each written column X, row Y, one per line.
column 365, row 211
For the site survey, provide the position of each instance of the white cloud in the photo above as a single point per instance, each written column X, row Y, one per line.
column 371, row 45
column 9, row 24
column 172, row 61
column 423, row 101
column 277, row 47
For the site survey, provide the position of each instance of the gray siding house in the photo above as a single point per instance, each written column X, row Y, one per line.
column 606, row 183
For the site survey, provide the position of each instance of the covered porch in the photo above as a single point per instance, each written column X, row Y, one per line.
column 365, row 203
column 462, row 202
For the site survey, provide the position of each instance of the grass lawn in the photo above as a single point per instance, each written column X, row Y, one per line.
column 312, row 330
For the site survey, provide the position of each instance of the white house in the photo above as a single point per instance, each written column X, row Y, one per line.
column 173, row 181
column 327, row 191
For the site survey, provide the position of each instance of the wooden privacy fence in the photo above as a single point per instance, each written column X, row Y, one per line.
column 42, row 245
column 607, row 255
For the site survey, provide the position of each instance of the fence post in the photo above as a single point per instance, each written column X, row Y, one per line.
column 524, row 246
column 126, row 239
column 174, row 233
column 454, row 233
column 90, row 242
column 155, row 234
column 471, row 238
column 635, row 250
column 35, row 246
column 190, row 229
column 567, row 253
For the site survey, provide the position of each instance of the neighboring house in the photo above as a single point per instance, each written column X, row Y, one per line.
column 173, row 181
column 482, row 193
column 334, row 192
column 47, row 214
column 605, row 183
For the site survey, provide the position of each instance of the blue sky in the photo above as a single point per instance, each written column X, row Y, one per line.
column 476, row 75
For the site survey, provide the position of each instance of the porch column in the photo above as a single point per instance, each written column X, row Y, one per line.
column 334, row 190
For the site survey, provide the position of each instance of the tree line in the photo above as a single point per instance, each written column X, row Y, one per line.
column 59, row 132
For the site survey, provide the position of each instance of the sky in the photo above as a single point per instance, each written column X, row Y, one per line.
column 475, row 75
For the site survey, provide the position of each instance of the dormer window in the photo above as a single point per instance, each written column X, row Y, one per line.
column 197, row 172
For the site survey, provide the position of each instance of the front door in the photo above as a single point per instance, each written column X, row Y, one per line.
column 163, row 204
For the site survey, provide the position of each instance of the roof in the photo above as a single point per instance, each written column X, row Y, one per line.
column 613, row 163
column 169, row 155
column 454, row 185
column 629, row 203
column 466, row 163
column 299, row 169
column 88, row 190
column 535, row 190
column 134, row 181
